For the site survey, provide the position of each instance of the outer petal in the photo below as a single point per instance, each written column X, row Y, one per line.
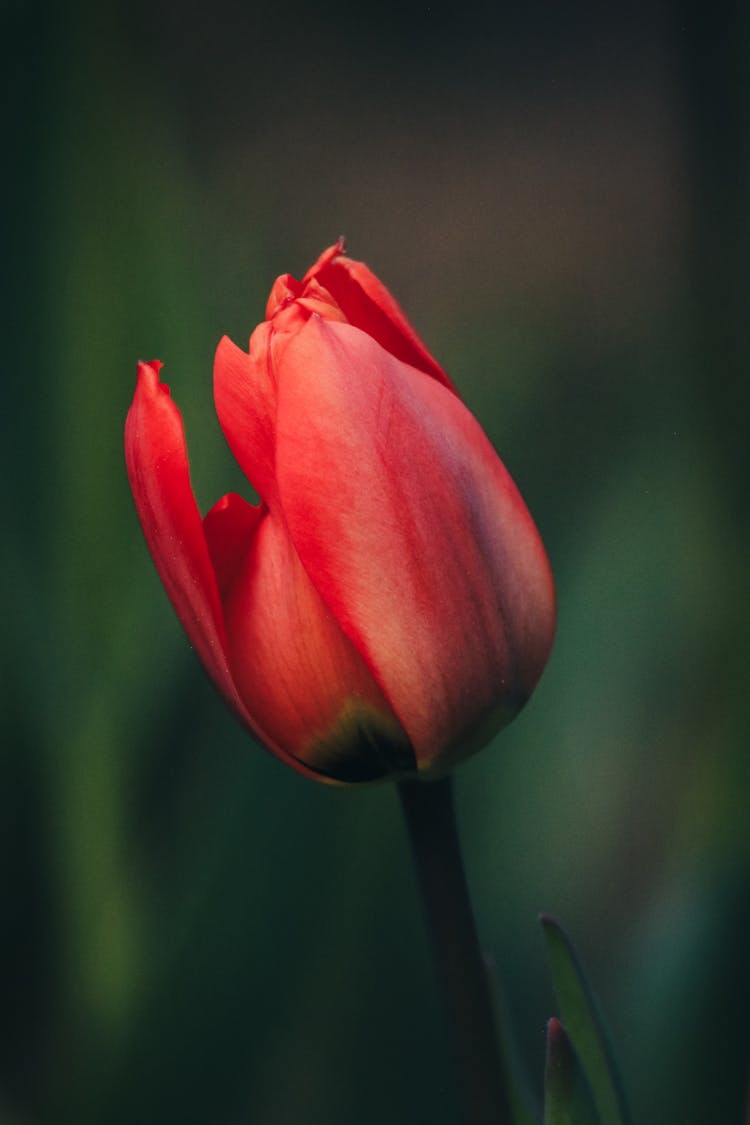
column 157, row 463
column 414, row 534
column 368, row 305
column 156, row 458
column 299, row 675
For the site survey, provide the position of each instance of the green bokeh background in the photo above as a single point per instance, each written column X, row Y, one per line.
column 190, row 932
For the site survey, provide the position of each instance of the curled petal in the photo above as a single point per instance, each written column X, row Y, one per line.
column 368, row 305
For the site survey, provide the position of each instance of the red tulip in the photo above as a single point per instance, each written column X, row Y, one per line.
column 389, row 604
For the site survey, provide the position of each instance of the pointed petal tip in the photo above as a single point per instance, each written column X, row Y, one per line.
column 329, row 256
column 146, row 367
column 224, row 346
column 147, row 377
column 368, row 305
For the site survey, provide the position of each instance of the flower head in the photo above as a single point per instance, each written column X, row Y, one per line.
column 389, row 604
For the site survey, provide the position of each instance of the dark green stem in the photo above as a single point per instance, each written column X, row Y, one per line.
column 431, row 819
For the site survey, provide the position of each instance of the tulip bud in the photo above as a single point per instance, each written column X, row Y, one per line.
column 389, row 604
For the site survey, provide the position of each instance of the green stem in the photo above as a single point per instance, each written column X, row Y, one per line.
column 431, row 819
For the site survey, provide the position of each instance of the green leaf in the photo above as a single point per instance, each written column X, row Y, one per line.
column 584, row 1025
column 519, row 1088
column 567, row 1095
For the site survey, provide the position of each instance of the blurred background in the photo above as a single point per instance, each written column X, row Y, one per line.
column 558, row 196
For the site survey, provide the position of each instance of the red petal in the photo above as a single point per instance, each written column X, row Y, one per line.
column 157, row 463
column 414, row 534
column 283, row 290
column 229, row 529
column 245, row 399
column 301, row 678
column 368, row 305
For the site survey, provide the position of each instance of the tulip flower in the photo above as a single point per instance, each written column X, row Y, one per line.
column 388, row 605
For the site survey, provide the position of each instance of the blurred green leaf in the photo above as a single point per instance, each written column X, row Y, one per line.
column 568, row 1099
column 584, row 1024
column 519, row 1088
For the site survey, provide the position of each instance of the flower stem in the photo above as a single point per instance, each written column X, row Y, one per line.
column 431, row 819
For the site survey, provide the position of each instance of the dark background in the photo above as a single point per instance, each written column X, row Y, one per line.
column 558, row 195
